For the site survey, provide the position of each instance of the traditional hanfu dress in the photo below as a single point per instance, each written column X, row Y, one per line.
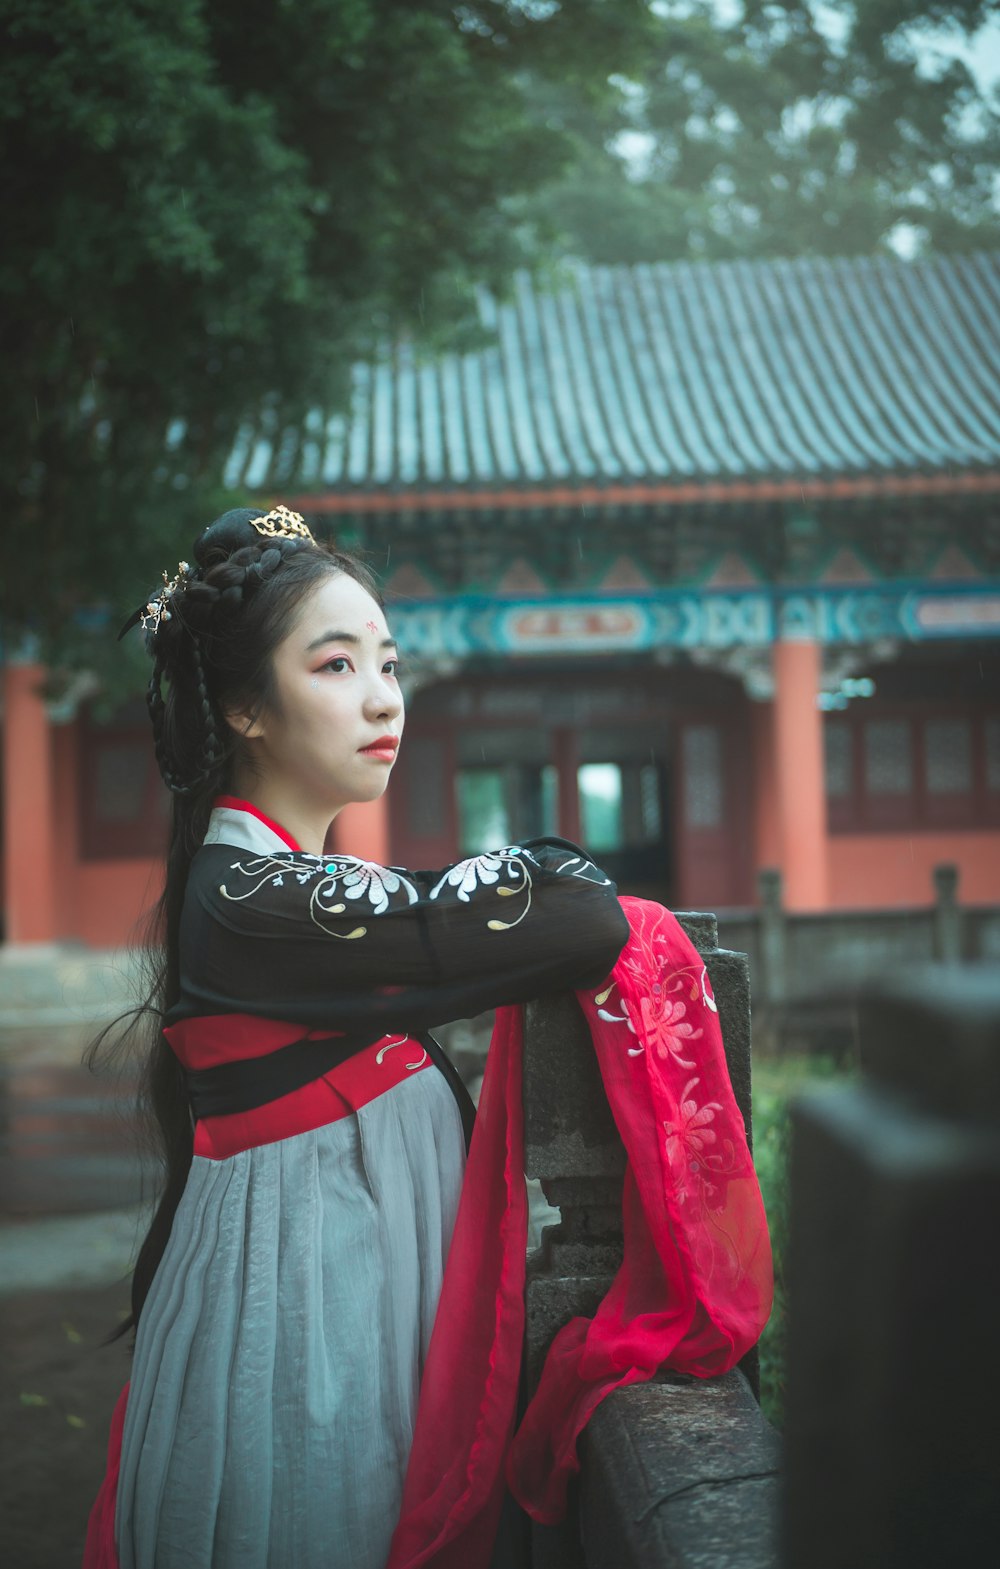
column 326, row 1365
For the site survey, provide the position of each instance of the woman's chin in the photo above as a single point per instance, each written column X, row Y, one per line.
column 371, row 789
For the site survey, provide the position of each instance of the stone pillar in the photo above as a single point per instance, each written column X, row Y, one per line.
column 947, row 915
column 893, row 1387
column 773, row 939
column 572, row 1145
column 362, row 829
column 799, row 769
column 28, row 808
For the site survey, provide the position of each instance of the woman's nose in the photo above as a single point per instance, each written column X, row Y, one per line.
column 384, row 699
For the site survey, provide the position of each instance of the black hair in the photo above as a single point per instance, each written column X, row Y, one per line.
column 213, row 649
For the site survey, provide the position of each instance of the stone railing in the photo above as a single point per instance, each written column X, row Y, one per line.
column 893, row 1386
column 680, row 1470
column 806, row 969
column 891, row 1439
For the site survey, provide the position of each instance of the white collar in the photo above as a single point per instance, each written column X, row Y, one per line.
column 239, row 824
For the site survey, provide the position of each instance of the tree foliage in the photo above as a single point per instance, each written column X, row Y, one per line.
column 213, row 206
column 773, row 129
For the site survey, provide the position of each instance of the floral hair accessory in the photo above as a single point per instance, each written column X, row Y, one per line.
column 282, row 524
column 157, row 609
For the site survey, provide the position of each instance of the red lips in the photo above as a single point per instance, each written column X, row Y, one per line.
column 384, row 743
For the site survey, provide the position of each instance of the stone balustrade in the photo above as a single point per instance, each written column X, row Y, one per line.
column 893, row 1386
column 680, row 1462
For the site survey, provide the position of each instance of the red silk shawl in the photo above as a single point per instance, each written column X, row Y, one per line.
column 693, row 1292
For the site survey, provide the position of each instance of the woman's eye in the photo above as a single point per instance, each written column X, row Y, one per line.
column 391, row 667
column 338, row 665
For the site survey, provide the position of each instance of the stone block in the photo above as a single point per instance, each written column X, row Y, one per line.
column 568, row 1126
column 729, row 974
column 679, row 1473
column 905, row 1025
column 550, row 1302
column 893, row 1389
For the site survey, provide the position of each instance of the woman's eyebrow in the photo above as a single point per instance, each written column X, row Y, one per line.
column 344, row 637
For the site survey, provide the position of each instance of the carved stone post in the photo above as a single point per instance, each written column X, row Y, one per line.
column 947, row 915
column 573, row 1147
column 892, row 1435
column 772, row 938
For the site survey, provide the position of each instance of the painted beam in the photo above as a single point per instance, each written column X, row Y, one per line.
column 683, row 619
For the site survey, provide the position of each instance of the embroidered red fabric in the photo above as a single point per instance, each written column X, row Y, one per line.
column 693, row 1292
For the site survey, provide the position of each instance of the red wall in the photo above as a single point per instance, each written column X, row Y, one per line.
column 881, row 870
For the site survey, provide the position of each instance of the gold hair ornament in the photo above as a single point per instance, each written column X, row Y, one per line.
column 157, row 610
column 282, row 524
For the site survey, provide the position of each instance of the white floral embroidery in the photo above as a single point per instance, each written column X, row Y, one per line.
column 701, row 1162
column 662, row 1018
column 366, row 880
column 336, row 878
column 487, row 870
column 484, row 869
column 706, row 991
column 341, row 878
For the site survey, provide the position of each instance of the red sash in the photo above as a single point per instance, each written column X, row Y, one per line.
column 693, row 1292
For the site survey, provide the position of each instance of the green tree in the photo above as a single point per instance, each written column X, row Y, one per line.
column 786, row 129
column 211, row 207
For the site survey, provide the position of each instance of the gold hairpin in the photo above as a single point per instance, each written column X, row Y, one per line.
column 282, row 524
column 156, row 611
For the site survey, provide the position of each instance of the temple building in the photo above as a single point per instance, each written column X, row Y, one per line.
column 697, row 564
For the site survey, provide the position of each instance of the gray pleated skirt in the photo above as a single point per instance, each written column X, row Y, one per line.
column 279, row 1354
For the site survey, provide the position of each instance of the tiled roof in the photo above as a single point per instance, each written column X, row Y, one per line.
column 721, row 373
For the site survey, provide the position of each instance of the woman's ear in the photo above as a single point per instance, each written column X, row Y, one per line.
column 247, row 725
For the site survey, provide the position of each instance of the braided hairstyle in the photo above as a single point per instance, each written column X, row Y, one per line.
column 212, row 646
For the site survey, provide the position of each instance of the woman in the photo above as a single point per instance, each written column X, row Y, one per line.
column 316, row 1136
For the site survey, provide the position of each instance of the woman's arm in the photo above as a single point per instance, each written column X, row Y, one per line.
column 335, row 942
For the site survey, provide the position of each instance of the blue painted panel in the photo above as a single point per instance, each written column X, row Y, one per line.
column 688, row 620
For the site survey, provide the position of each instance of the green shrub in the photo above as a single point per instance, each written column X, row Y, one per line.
column 775, row 1084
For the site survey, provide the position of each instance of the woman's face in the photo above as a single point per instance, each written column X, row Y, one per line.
column 335, row 697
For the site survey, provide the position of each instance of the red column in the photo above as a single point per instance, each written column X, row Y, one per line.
column 565, row 755
column 28, row 809
column 766, row 811
column 362, row 829
column 801, row 786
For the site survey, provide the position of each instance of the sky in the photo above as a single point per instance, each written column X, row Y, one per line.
column 983, row 58
column 982, row 54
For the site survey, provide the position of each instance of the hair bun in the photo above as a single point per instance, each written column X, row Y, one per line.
column 229, row 533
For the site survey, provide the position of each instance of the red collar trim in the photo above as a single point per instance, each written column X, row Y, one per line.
column 234, row 804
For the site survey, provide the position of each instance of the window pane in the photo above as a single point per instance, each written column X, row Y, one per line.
column 702, row 776
column 888, row 757
column 993, row 755
column 949, row 756
column 600, row 786
column 482, row 811
column 838, row 746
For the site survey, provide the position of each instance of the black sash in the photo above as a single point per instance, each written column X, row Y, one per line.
column 253, row 1081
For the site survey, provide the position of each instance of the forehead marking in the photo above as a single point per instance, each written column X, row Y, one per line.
column 371, row 626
